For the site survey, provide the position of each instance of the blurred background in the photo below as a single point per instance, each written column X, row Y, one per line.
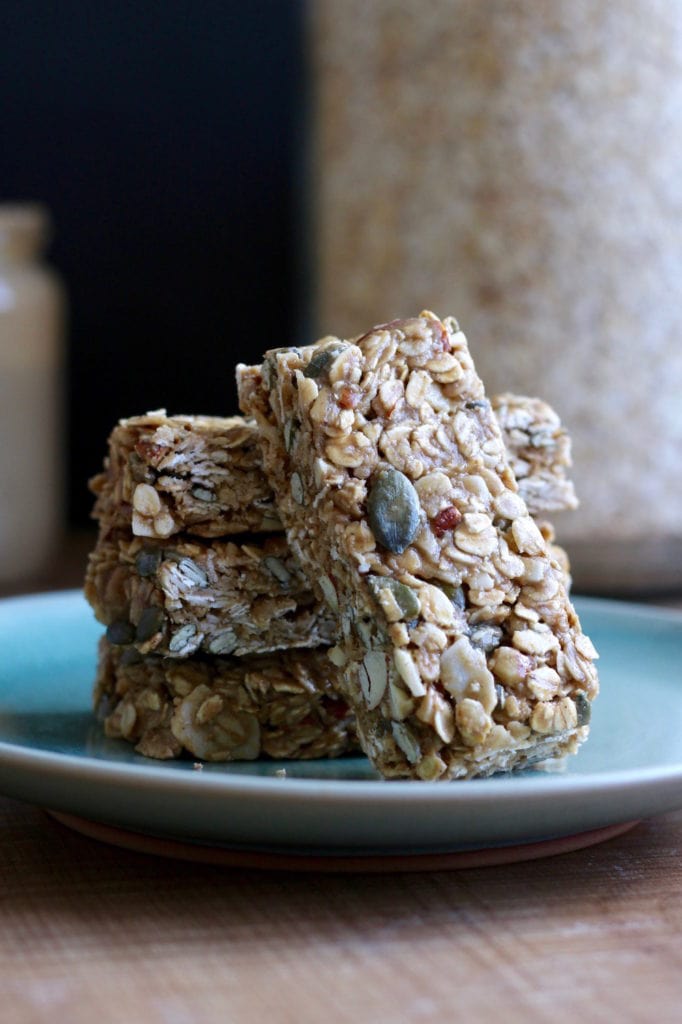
column 226, row 177
column 166, row 140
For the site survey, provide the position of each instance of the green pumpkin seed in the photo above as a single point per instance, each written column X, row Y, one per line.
column 584, row 708
column 147, row 561
column 456, row 595
column 131, row 656
column 404, row 596
column 191, row 571
column 120, row 632
column 223, row 642
column 320, row 363
column 151, row 622
column 202, row 494
column 181, row 638
column 297, row 492
column 393, row 510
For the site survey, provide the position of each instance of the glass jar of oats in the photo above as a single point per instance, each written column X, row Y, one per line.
column 31, row 438
column 517, row 163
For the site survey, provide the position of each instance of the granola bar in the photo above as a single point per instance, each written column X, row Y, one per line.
column 221, row 709
column 461, row 652
column 220, row 597
column 198, row 474
column 202, row 475
column 539, row 450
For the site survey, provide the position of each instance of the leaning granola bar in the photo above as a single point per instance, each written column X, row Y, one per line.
column 461, row 653
column 539, row 450
column 221, row 709
column 198, row 474
column 219, row 597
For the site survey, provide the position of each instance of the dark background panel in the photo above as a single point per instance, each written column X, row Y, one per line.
column 166, row 139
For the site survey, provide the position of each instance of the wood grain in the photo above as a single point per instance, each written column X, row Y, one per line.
column 91, row 932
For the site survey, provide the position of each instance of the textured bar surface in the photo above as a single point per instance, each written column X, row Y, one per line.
column 221, row 709
column 219, row 597
column 202, row 475
column 197, row 474
column 461, row 653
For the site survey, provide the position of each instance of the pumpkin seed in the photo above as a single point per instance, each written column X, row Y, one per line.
column 322, row 360
column 202, row 494
column 456, row 594
column 583, row 708
column 182, row 638
column 297, row 489
column 150, row 622
column 404, row 596
column 393, row 510
column 120, row 632
column 131, row 656
column 223, row 642
column 147, row 561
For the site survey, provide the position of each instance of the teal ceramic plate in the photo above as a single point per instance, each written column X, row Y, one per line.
column 53, row 754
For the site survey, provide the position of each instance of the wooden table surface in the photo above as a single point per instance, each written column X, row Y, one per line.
column 92, row 933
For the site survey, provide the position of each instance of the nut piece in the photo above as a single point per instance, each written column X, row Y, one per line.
column 549, row 717
column 146, row 501
column 210, row 733
column 393, row 510
column 472, row 721
column 465, row 674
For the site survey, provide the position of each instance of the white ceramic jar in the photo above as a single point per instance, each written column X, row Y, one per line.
column 31, row 426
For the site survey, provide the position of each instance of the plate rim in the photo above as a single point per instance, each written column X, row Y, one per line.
column 636, row 792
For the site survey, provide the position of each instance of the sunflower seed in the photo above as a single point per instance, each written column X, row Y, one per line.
column 329, row 591
column 277, row 569
column 202, row 494
column 393, row 510
column 223, row 642
column 373, row 678
column 191, row 571
column 182, row 638
column 297, row 489
column 290, row 431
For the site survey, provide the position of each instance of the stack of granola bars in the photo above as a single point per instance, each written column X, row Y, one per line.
column 361, row 560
